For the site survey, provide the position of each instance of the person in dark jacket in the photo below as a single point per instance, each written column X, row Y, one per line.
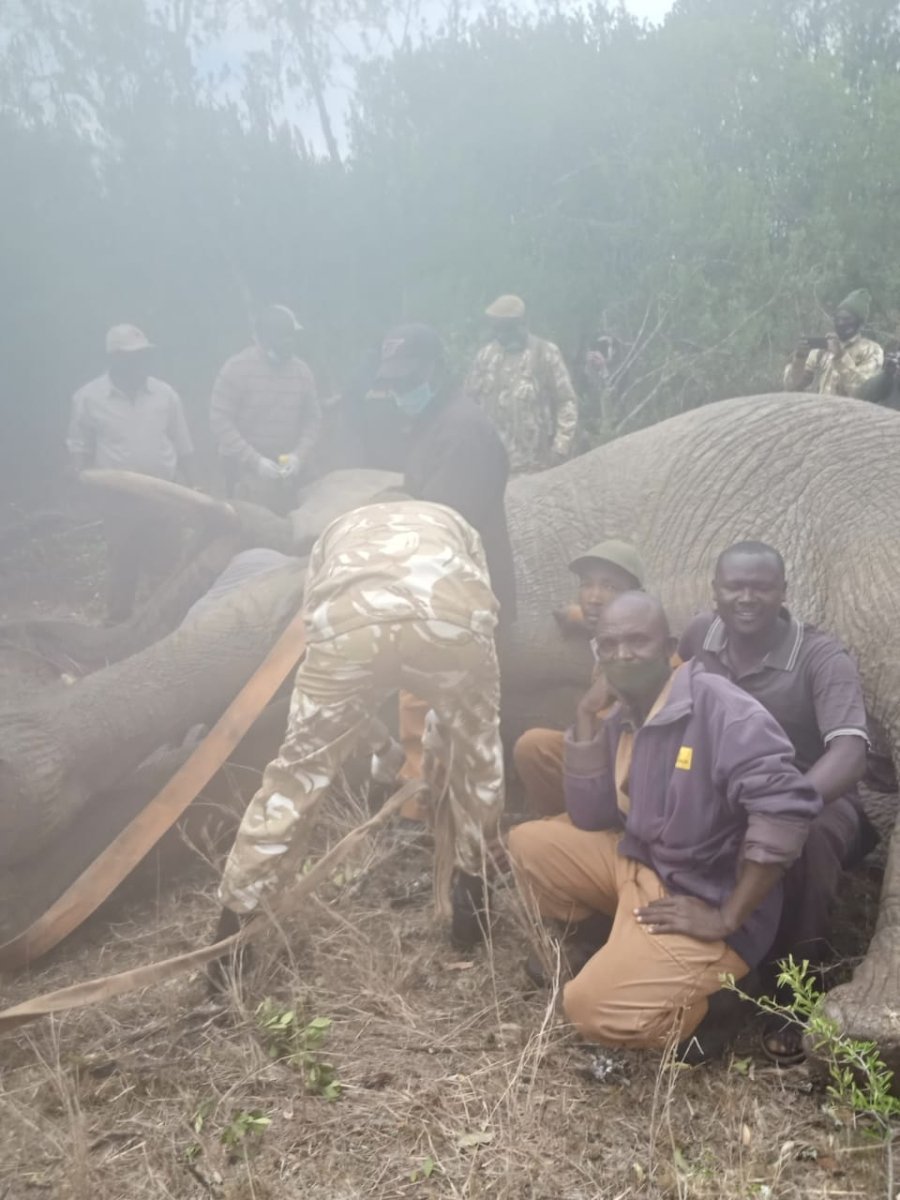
column 449, row 453
column 684, row 809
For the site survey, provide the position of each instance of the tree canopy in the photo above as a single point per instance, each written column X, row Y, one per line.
column 705, row 191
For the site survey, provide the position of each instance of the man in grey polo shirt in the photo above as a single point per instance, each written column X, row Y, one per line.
column 126, row 419
column 810, row 684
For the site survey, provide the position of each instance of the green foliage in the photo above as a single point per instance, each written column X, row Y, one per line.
column 289, row 1039
column 858, row 1079
column 245, row 1125
column 424, row 1170
column 706, row 191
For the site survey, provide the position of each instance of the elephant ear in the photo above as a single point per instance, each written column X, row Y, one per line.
column 193, row 507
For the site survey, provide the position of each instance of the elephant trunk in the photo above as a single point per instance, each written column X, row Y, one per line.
column 71, row 742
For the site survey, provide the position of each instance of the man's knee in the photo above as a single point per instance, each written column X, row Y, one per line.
column 526, row 843
column 612, row 1017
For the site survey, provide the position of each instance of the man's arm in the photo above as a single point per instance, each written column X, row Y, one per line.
column 565, row 403
column 223, row 407
column 855, row 369
column 754, row 766
column 800, row 371
column 840, row 708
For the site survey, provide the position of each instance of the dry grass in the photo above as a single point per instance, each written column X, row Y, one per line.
column 442, row 1062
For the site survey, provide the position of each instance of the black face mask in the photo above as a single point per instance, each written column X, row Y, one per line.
column 637, row 681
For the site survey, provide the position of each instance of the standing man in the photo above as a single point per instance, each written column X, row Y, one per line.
column 450, row 454
column 845, row 362
column 264, row 414
column 523, row 385
column 397, row 595
column 810, row 685
column 604, row 572
column 127, row 420
column 684, row 809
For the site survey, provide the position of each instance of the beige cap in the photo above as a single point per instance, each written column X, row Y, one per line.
column 620, row 554
column 506, row 308
column 125, row 339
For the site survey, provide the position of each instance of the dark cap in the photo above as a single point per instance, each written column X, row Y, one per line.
column 408, row 349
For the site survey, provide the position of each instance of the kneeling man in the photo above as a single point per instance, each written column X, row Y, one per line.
column 684, row 809
column 397, row 595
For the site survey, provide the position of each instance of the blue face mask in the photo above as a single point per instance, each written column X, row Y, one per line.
column 416, row 400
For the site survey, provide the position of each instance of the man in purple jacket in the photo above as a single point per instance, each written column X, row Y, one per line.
column 684, row 809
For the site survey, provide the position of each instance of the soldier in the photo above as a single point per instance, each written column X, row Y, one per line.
column 522, row 383
column 845, row 360
column 397, row 595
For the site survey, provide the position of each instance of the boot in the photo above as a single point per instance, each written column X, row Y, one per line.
column 469, row 924
column 221, row 971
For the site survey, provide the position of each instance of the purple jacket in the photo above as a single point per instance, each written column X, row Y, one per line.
column 712, row 782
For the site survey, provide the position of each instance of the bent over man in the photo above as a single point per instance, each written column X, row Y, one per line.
column 684, row 809
column 397, row 595
column 810, row 685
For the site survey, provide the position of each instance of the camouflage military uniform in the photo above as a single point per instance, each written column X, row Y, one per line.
column 397, row 594
column 830, row 376
column 529, row 396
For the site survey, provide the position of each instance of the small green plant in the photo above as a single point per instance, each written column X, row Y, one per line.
column 858, row 1077
column 424, row 1170
column 243, row 1124
column 288, row 1039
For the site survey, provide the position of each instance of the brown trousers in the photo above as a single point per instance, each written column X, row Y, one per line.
column 640, row 989
column 538, row 759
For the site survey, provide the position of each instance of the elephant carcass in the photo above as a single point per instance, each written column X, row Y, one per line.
column 818, row 477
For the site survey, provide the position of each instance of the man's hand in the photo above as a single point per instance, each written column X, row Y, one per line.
column 684, row 914
column 595, row 699
column 833, row 345
column 266, row 469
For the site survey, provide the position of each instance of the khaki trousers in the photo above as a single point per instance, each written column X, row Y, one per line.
column 640, row 989
column 339, row 685
column 538, row 759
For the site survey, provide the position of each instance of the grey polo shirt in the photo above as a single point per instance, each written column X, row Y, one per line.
column 808, row 681
column 147, row 434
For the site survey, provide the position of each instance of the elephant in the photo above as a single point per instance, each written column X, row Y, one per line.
column 818, row 477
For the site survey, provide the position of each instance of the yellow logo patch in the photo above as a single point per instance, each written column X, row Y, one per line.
column 685, row 758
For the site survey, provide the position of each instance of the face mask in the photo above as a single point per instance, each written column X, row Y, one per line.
column 416, row 400
column 637, row 680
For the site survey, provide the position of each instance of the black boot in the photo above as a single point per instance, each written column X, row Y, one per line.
column 469, row 924
column 220, row 971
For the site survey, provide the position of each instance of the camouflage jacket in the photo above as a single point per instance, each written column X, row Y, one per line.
column 399, row 561
column 529, row 396
column 843, row 375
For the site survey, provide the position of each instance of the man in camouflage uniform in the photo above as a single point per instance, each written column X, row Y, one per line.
column 397, row 595
column 849, row 360
column 522, row 383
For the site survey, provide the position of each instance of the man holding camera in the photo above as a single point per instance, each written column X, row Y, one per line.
column 841, row 363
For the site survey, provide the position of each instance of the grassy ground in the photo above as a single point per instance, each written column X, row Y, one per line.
column 455, row 1081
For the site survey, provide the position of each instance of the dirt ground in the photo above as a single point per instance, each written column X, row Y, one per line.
column 455, row 1078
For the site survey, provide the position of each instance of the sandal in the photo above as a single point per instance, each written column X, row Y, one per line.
column 782, row 1043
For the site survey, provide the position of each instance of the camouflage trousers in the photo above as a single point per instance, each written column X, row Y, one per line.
column 340, row 684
